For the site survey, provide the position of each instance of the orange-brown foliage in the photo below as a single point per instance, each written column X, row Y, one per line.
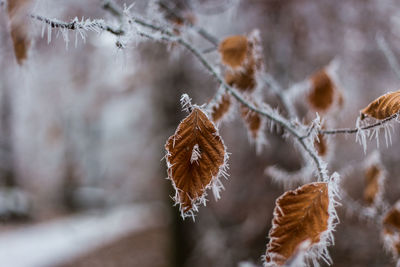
column 391, row 230
column 252, row 119
column 221, row 108
column 243, row 56
column 372, row 176
column 243, row 80
column 17, row 12
column 233, row 50
column 322, row 92
column 299, row 215
column 191, row 177
column 383, row 107
column 320, row 145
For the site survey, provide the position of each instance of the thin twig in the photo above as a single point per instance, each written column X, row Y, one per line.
column 279, row 120
column 202, row 32
column 167, row 35
column 209, row 50
column 268, row 79
column 111, row 7
column 355, row 130
column 309, row 131
column 273, row 117
column 75, row 24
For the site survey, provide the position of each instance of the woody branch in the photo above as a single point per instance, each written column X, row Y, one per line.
column 168, row 35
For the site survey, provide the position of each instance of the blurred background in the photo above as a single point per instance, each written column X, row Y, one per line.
column 82, row 134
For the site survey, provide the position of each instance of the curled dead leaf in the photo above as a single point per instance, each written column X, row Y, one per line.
column 372, row 179
column 253, row 121
column 383, row 107
column 243, row 56
column 321, row 96
column 17, row 12
column 221, row 108
column 321, row 145
column 243, row 80
column 391, row 229
column 299, row 215
column 233, row 50
column 195, row 157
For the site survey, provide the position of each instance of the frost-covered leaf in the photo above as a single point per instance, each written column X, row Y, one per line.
column 320, row 144
column 253, row 121
column 195, row 157
column 322, row 94
column 255, row 125
column 375, row 174
column 233, row 50
column 17, row 12
column 391, row 230
column 243, row 57
column 300, row 215
column 373, row 180
column 243, row 80
column 221, row 108
column 383, row 107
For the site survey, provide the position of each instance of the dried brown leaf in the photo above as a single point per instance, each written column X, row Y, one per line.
column 243, row 56
column 372, row 177
column 195, row 156
column 233, row 50
column 252, row 119
column 321, row 145
column 243, row 80
column 391, row 229
column 321, row 96
column 17, row 12
column 383, row 107
column 299, row 215
column 221, row 108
